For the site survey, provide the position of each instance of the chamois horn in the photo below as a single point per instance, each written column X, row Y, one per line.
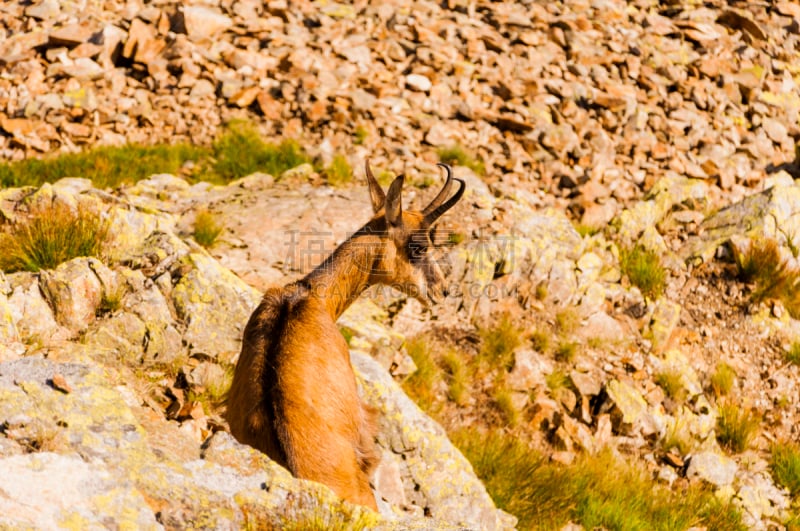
column 439, row 206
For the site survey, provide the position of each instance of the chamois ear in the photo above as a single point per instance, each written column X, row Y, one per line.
column 376, row 194
column 394, row 204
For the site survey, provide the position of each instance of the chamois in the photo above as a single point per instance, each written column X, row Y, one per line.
column 293, row 394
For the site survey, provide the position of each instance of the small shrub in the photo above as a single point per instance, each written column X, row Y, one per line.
column 206, row 228
column 52, row 236
column 565, row 351
column 671, row 382
column 457, row 377
column 644, row 270
column 723, row 379
column 456, row 154
column 736, row 427
column 339, row 172
column 785, row 464
column 499, row 342
column 240, row 151
column 793, row 354
column 774, row 278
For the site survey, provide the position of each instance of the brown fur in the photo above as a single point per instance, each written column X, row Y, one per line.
column 294, row 394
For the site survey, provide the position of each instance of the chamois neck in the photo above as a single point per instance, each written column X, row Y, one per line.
column 346, row 273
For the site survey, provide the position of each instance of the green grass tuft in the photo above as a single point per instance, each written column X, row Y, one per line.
column 111, row 300
column 240, row 151
column 498, row 343
column 736, row 427
column 206, row 228
column 565, row 351
column 792, row 355
column 785, row 464
column 723, row 379
column 557, row 379
column 339, row 172
column 671, row 382
column 52, row 236
column 644, row 270
column 457, row 155
column 505, row 406
column 420, row 385
column 596, row 491
column 457, row 377
column 540, row 340
column 106, row 166
column 567, row 320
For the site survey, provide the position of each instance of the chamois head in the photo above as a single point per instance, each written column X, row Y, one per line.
column 405, row 259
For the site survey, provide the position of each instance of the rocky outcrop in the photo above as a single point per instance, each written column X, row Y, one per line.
column 113, row 411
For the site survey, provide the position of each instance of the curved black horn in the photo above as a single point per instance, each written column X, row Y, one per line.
column 431, row 217
column 443, row 193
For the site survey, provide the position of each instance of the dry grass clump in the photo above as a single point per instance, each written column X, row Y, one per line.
column 772, row 276
column 51, row 236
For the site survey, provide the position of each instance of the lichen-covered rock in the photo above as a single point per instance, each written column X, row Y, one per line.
column 363, row 323
column 761, row 500
column 92, row 464
column 52, row 491
column 713, row 467
column 439, row 479
column 215, row 305
column 768, row 214
column 8, row 329
column 31, row 313
column 667, row 192
column 631, row 407
column 74, row 291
